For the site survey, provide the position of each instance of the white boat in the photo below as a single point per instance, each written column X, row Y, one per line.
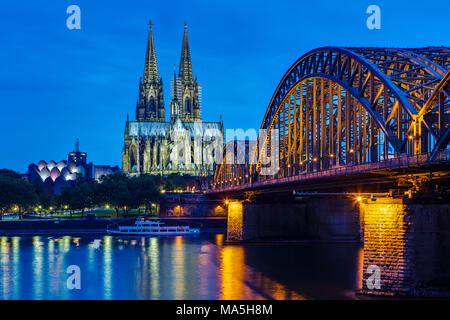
column 155, row 227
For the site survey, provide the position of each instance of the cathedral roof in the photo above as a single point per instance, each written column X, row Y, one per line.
column 162, row 129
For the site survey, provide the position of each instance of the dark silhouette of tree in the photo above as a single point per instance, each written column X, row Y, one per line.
column 15, row 192
column 144, row 191
column 175, row 181
column 116, row 192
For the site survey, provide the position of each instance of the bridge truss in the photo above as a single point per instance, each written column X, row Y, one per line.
column 339, row 107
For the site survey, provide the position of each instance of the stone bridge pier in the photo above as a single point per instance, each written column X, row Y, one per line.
column 406, row 242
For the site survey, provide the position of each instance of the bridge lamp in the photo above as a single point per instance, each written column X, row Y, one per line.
column 359, row 198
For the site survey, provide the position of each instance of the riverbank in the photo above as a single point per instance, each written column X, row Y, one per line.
column 98, row 226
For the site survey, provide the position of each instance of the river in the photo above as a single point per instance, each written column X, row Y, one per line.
column 181, row 267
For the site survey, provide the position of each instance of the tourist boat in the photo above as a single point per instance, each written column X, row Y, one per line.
column 152, row 227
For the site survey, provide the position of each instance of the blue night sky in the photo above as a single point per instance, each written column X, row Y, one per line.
column 58, row 84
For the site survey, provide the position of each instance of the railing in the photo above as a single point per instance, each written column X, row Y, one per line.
column 394, row 163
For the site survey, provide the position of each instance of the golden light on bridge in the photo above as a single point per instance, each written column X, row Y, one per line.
column 179, row 211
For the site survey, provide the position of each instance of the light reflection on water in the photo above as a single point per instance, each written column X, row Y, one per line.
column 201, row 267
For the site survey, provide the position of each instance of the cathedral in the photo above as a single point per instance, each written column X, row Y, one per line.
column 184, row 144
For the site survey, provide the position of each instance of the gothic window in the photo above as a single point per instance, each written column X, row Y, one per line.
column 151, row 104
column 187, row 106
column 133, row 159
column 141, row 154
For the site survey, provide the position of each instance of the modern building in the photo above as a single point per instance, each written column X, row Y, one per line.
column 104, row 170
column 52, row 176
column 184, row 144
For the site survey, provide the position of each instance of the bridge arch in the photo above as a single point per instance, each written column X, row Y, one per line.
column 341, row 106
column 235, row 166
column 353, row 106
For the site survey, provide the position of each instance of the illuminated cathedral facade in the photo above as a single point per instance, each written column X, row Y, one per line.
column 184, row 144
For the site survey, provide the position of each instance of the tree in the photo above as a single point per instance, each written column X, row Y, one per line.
column 144, row 191
column 80, row 197
column 45, row 200
column 176, row 181
column 15, row 192
column 116, row 193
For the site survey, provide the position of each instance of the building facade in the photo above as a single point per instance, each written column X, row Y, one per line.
column 184, row 144
column 101, row 171
column 52, row 175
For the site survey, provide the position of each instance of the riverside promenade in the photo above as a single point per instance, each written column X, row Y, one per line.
column 94, row 225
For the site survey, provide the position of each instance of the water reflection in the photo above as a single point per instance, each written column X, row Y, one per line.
column 239, row 281
column 154, row 267
column 37, row 267
column 178, row 268
column 174, row 268
column 15, row 267
column 5, row 263
column 107, row 268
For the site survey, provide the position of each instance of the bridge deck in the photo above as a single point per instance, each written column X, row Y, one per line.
column 392, row 167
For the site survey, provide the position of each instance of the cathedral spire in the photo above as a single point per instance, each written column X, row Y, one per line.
column 185, row 72
column 151, row 68
column 174, row 84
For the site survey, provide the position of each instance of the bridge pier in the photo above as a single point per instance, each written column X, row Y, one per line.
column 406, row 241
column 188, row 204
column 309, row 219
column 406, row 247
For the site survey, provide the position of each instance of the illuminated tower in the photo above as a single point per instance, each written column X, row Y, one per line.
column 76, row 157
column 150, row 105
column 186, row 93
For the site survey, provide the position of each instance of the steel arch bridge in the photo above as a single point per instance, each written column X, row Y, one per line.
column 341, row 107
